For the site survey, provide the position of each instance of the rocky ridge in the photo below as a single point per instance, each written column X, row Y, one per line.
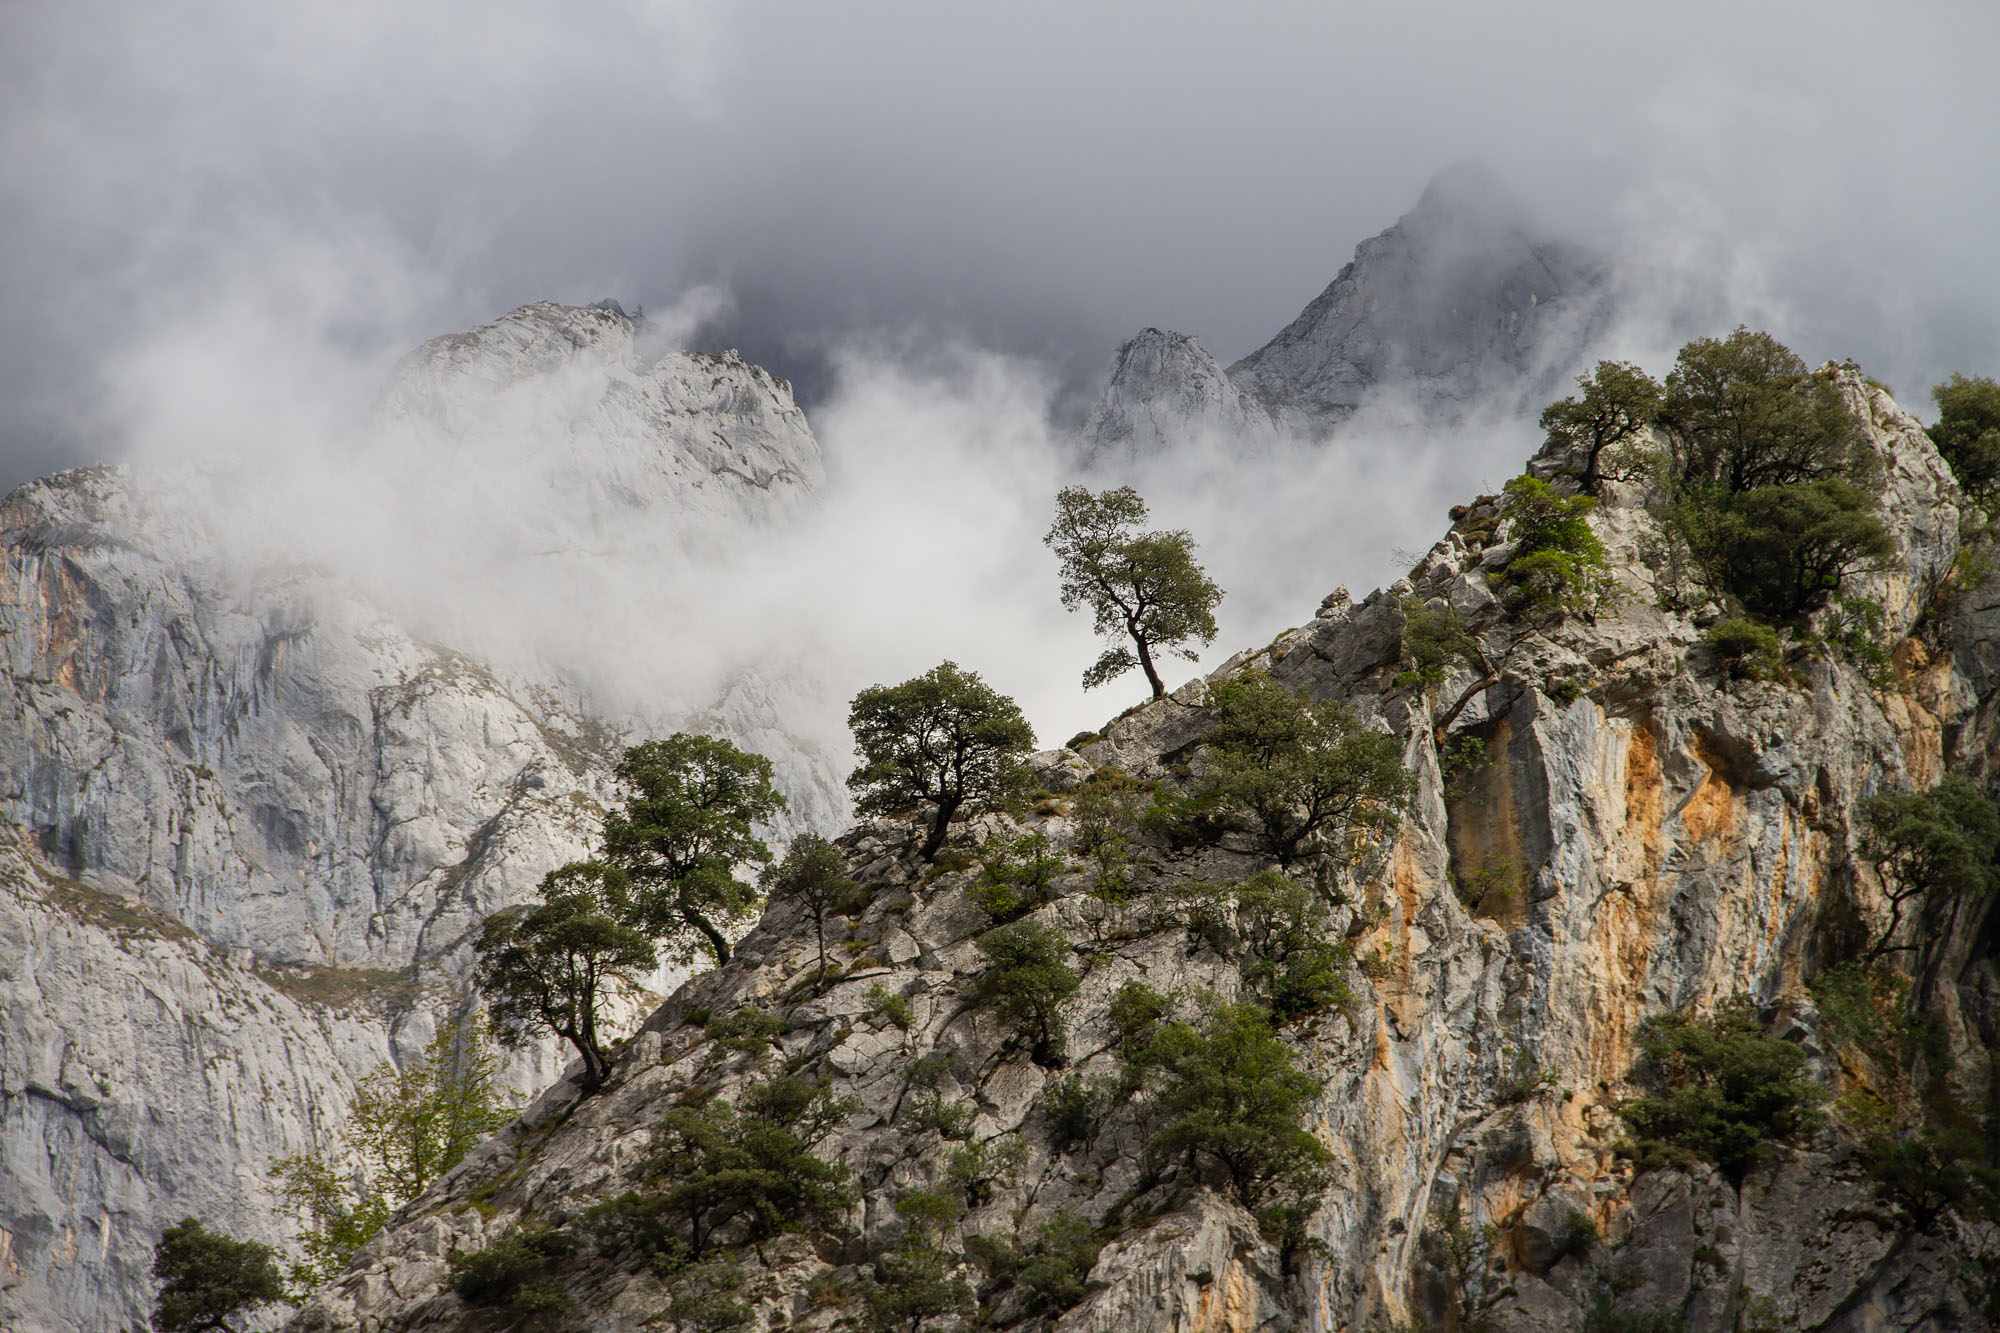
column 1465, row 302
column 1676, row 837
column 288, row 800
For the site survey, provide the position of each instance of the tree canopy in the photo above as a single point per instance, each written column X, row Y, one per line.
column 1618, row 402
column 548, row 967
column 814, row 875
column 1967, row 433
column 688, row 822
column 409, row 1126
column 943, row 738
column 210, row 1280
column 1307, row 771
column 1935, row 850
column 1746, row 412
column 1558, row 562
column 1140, row 586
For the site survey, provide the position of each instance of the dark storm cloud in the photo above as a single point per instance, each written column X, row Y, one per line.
column 1042, row 179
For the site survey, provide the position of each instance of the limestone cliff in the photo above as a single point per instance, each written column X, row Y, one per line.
column 1672, row 838
column 256, row 811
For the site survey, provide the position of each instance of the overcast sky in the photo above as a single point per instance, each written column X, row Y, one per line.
column 1042, row 179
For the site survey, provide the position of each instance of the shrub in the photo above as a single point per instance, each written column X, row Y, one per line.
column 518, row 1277
column 883, row 1001
column 1746, row 649
column 746, row 1031
column 929, row 1108
column 1934, row 851
column 1230, row 1091
column 1018, row 877
column 1310, row 773
column 1134, row 1011
column 1558, row 562
column 976, row 1170
column 1927, row 1172
column 1434, row 641
column 1783, row 550
column 208, row 1279
column 1722, row 1091
column 704, row 1299
column 1300, row 973
column 1026, row 984
column 814, row 875
column 1071, row 1110
column 1056, row 1273
column 1607, row 1316
column 751, row 1172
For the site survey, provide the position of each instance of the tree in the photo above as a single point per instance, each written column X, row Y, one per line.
column 1933, row 848
column 1026, row 983
column 689, row 822
column 209, row 1279
column 547, row 968
column 1746, row 412
column 408, row 1126
column 1307, row 771
column 814, row 875
column 945, row 737
column 1141, row 586
column 1230, row 1091
column 1558, row 562
column 748, row 1172
column 1721, row 1091
column 1784, row 550
column 1967, row 433
column 1619, row 402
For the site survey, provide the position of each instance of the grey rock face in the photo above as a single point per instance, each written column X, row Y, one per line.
column 276, row 791
column 1464, row 303
column 1672, row 838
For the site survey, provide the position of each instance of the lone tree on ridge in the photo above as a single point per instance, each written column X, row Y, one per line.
column 1142, row 586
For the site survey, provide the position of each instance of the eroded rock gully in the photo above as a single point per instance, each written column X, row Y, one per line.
column 1670, row 838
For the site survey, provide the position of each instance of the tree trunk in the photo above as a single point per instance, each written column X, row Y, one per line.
column 1146, row 665
column 716, row 943
column 1472, row 692
column 946, row 809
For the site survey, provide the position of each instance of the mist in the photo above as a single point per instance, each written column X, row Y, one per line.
column 227, row 221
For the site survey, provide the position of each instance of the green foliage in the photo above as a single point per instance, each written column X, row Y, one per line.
column 1056, row 1274
column 1017, row 877
column 1495, row 887
column 746, row 1174
column 883, row 1001
column 1746, row 649
column 1434, row 641
column 688, row 823
column 1312, row 775
column 705, row 1299
column 1208, row 914
column 746, row 1031
column 1144, row 587
column 209, row 1280
column 1783, row 550
column 547, row 968
column 1773, row 480
column 1230, row 1092
column 1619, row 404
column 813, row 875
column 519, row 1278
column 1135, row 1010
column 1071, row 1109
column 943, row 738
column 1558, row 562
column 929, row 1109
column 913, row 1286
column 1967, row 433
column 1722, row 1091
column 1026, row 983
column 1299, row 972
column 1927, row 1172
column 1461, row 1261
column 1577, row 1236
column 1861, row 1005
column 975, row 1170
column 1746, row 413
column 1858, row 631
column 408, row 1127
column 1106, row 812
column 1934, row 851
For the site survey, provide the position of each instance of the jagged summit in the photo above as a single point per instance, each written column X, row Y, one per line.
column 1164, row 386
column 1464, row 301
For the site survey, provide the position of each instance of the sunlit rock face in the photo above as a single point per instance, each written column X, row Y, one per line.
column 289, row 797
column 1465, row 303
column 1644, row 833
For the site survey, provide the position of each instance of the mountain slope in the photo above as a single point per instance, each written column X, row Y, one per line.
column 1465, row 302
column 244, row 744
column 1671, row 837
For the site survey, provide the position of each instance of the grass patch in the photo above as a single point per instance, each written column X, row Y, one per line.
column 344, row 987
